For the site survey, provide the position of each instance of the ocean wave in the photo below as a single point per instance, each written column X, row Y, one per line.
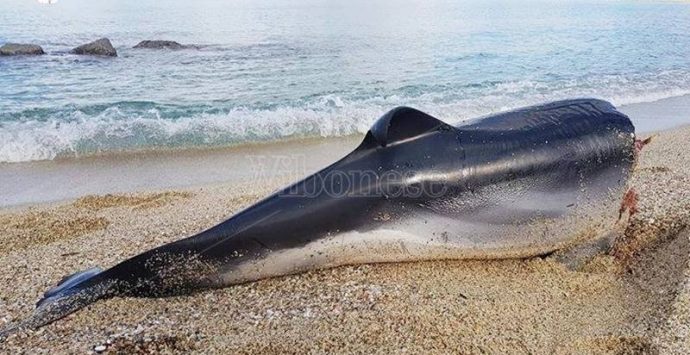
column 49, row 133
column 107, row 132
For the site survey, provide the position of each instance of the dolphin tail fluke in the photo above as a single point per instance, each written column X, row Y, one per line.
column 72, row 293
column 68, row 283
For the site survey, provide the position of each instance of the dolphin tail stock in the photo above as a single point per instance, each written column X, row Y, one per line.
column 72, row 293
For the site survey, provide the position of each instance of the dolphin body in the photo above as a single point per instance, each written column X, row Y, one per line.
column 515, row 184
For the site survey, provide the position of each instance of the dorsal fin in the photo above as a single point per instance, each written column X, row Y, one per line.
column 402, row 123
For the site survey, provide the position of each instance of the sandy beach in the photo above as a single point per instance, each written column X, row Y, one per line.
column 633, row 299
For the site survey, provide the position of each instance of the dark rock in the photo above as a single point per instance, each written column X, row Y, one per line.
column 21, row 49
column 157, row 44
column 99, row 47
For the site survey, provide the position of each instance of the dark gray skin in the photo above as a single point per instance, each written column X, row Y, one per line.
column 513, row 184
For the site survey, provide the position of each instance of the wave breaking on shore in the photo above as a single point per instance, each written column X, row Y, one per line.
column 76, row 131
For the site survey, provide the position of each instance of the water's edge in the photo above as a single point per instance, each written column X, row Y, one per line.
column 48, row 181
column 48, row 140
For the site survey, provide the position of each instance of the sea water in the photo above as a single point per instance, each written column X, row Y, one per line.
column 266, row 70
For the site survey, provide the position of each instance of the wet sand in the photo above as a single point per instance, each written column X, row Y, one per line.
column 633, row 299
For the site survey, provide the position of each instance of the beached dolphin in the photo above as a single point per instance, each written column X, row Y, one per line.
column 515, row 184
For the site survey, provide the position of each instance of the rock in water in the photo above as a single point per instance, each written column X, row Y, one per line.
column 158, row 44
column 21, row 49
column 100, row 47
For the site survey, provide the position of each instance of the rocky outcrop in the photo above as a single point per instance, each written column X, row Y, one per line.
column 159, row 44
column 21, row 49
column 101, row 47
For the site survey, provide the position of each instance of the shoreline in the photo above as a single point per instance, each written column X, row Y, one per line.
column 632, row 299
column 35, row 182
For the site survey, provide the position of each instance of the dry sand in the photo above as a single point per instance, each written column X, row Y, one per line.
column 636, row 299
